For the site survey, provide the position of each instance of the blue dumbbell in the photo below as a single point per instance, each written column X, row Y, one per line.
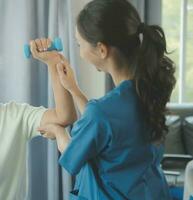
column 55, row 45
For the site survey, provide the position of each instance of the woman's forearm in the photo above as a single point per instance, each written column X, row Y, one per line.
column 65, row 109
column 62, row 139
column 79, row 98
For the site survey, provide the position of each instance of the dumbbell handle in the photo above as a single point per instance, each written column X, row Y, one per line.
column 55, row 45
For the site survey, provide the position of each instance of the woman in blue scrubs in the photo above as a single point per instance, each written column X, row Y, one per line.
column 116, row 146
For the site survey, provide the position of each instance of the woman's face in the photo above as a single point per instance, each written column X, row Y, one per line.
column 88, row 52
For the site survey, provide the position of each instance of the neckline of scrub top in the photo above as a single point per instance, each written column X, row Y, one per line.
column 125, row 83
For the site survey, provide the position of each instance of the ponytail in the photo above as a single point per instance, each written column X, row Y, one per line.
column 152, row 70
column 154, row 78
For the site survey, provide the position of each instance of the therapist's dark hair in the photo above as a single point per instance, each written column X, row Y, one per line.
column 117, row 24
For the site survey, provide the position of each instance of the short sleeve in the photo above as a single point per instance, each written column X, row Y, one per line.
column 29, row 117
column 90, row 136
column 32, row 117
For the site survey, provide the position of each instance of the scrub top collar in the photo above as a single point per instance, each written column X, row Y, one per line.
column 125, row 84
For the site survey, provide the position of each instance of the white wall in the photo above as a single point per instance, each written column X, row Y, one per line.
column 90, row 80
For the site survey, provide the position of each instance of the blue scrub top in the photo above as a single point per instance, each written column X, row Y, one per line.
column 110, row 151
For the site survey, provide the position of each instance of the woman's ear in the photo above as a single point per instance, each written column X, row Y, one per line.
column 102, row 50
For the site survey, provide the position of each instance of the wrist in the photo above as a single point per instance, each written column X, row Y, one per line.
column 54, row 61
column 51, row 64
column 59, row 130
column 75, row 91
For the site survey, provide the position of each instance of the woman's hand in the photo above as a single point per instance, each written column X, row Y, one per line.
column 67, row 79
column 39, row 51
column 54, row 131
column 66, row 75
column 49, row 130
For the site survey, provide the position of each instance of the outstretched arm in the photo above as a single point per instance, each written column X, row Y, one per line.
column 64, row 112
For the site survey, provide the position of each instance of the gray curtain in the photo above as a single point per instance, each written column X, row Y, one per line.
column 27, row 80
column 61, row 23
column 150, row 12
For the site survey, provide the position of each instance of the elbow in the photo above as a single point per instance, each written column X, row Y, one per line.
column 66, row 121
column 74, row 118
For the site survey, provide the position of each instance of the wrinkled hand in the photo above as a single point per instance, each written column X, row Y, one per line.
column 50, row 130
column 39, row 51
column 66, row 75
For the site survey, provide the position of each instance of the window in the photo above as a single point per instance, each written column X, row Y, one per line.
column 177, row 21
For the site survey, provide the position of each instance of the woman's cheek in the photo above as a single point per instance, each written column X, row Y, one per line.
column 88, row 56
column 81, row 54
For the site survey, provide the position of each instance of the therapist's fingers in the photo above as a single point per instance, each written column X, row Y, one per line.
column 46, row 133
column 62, row 70
column 62, row 73
column 40, row 129
column 66, row 75
column 66, row 64
column 47, row 128
column 62, row 67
